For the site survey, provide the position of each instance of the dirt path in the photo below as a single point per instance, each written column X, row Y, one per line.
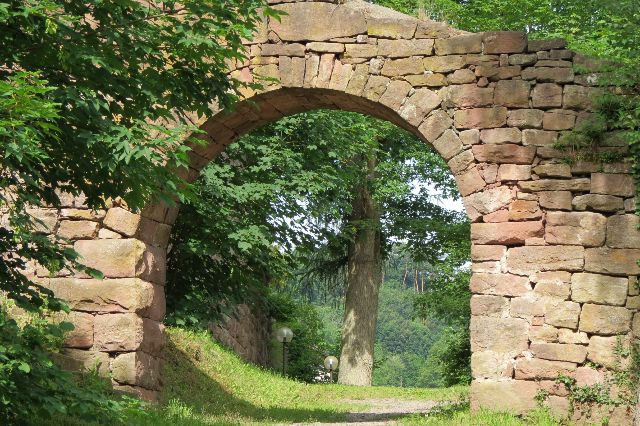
column 381, row 411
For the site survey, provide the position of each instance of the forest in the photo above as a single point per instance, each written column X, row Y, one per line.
column 344, row 227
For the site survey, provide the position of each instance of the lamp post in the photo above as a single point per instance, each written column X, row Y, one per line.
column 331, row 363
column 284, row 336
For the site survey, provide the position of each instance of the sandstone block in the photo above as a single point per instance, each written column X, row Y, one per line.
column 461, row 162
column 404, row 48
column 560, row 313
column 532, row 259
column 553, row 170
column 515, row 396
column 501, row 135
column 462, row 76
column 555, row 200
column 612, row 184
column 375, row 87
column 525, row 118
column 289, row 49
column 77, row 229
column 578, row 97
column 403, row 66
column 504, row 153
column 524, row 59
column 578, row 185
column 482, row 253
column 548, row 74
column 470, row 137
column 480, row 118
column 44, row 220
column 122, row 221
column 526, row 307
column 497, row 42
column 469, row 182
column 499, row 284
column 509, row 233
column 512, row 331
column 612, row 261
column 137, row 368
column 471, row 43
column 82, row 334
column 386, row 23
column 321, row 47
column 396, row 91
column 604, row 320
column 587, row 376
column 576, row 228
column 82, row 360
column 558, row 120
column 622, row 231
column 524, row 210
column 489, row 200
column 125, row 258
column 508, row 172
column 492, row 306
column 435, row 125
column 598, row 202
column 118, row 332
column 556, row 289
column 109, row 295
column 559, row 352
column 418, row 105
column 429, row 80
column 512, row 93
column 543, row 333
column 547, row 44
column 490, row 365
column 444, row 64
column 448, row 145
column 539, row 137
column 602, row 350
column 547, row 95
column 573, row 337
column 595, row 288
column 528, row 369
column 468, row 95
column 317, row 22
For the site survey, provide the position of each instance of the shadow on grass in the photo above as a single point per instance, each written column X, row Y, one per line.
column 199, row 393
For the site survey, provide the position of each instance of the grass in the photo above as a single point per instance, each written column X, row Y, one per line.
column 206, row 384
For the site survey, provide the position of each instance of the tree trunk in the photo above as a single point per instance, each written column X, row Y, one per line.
column 364, row 274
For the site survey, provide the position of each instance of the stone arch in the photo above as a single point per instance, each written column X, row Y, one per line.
column 554, row 245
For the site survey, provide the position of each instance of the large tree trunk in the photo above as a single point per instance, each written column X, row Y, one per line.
column 364, row 275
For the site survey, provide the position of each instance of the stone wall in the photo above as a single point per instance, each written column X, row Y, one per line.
column 554, row 245
column 247, row 333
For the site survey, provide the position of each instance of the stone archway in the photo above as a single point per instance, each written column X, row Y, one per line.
column 554, row 245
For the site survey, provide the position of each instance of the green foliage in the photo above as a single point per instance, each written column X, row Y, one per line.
column 306, row 352
column 32, row 385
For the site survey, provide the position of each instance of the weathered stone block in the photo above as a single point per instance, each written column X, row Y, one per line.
column 527, row 307
column 386, row 23
column 482, row 253
column 523, row 59
column 602, row 350
column 82, row 360
column 578, row 185
column 510, row 172
column 604, row 320
column 561, row 313
column 532, row 259
column 501, row 135
column 396, row 91
column 504, row 153
column 578, row 97
column 471, row 43
column 321, row 47
column 598, row 202
column 525, row 118
column 461, row 162
column 595, row 288
column 612, row 184
column 508, row 233
column 547, row 44
column 77, row 229
column 553, row 170
column 403, row 66
column 404, row 48
column 435, row 125
column 558, row 120
column 44, row 220
column 497, row 42
column 429, row 80
column 547, row 95
column 514, row 396
column 137, row 368
column 469, row 182
column 470, row 137
column 513, row 334
column 543, row 333
column 492, row 306
column 548, row 74
column 448, row 144
column 480, row 118
column 317, row 22
column 524, row 210
column 82, row 334
column 612, row 261
column 499, row 284
column 539, row 137
column 622, row 231
column 468, row 95
column 528, row 369
column 444, row 63
column 573, row 337
column 491, row 365
column 555, row 200
column 512, row 93
column 576, row 228
column 462, row 76
column 118, row 332
column 489, row 200
column 559, row 352
column 418, row 105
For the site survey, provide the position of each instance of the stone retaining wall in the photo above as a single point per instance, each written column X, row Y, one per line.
column 554, row 245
